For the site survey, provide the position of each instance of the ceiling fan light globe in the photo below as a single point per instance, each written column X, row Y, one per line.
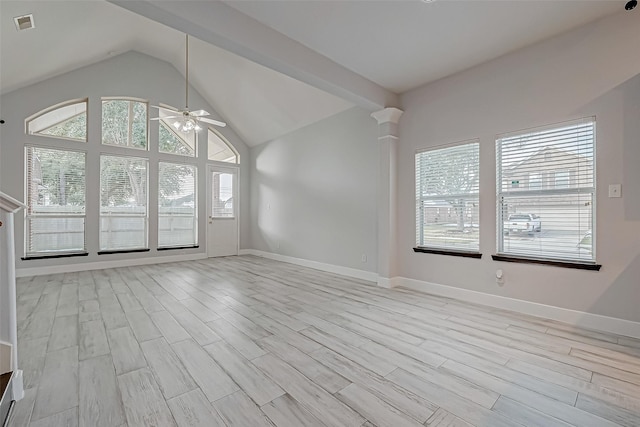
column 177, row 124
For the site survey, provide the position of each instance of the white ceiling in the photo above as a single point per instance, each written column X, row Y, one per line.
column 403, row 44
column 259, row 103
column 393, row 45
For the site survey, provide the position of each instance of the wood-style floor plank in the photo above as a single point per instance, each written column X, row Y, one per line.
column 100, row 402
column 192, row 409
column 142, row 399
column 248, row 341
column 213, row 381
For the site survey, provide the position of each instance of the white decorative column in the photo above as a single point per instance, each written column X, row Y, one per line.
column 387, row 193
column 8, row 315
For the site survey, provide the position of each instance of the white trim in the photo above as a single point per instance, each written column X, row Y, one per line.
column 573, row 317
column 10, row 204
column 385, row 282
column 99, row 265
column 330, row 268
column 387, row 115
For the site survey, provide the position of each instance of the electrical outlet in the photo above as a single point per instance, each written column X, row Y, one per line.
column 500, row 277
column 615, row 190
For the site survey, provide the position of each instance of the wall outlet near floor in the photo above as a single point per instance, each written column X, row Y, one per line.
column 364, row 258
column 500, row 277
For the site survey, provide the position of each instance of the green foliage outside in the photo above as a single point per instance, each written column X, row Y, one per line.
column 73, row 128
column 124, row 123
column 458, row 175
column 169, row 142
column 58, row 177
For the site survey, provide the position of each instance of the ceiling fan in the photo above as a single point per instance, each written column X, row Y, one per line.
column 186, row 120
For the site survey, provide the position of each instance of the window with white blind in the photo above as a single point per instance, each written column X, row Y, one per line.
column 546, row 192
column 447, row 197
column 124, row 123
column 123, row 203
column 55, row 194
column 177, row 205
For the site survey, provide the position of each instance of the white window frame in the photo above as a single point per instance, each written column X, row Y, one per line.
column 195, row 201
column 546, row 190
column 28, row 216
column 146, row 216
column 129, row 145
column 420, row 199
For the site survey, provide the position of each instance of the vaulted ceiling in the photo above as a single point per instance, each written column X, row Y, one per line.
column 270, row 67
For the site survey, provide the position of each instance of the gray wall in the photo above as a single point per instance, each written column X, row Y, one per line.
column 586, row 72
column 131, row 74
column 313, row 192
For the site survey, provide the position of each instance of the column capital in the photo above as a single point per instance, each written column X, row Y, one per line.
column 387, row 115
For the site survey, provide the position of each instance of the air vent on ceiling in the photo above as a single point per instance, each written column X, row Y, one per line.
column 24, row 22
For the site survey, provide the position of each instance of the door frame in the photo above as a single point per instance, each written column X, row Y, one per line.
column 224, row 168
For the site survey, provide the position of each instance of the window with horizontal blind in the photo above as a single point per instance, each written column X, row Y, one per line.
column 65, row 121
column 123, row 203
column 55, row 194
column 124, row 123
column 447, row 197
column 546, row 192
column 177, row 205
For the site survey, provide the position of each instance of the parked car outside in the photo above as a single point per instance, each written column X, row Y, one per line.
column 522, row 223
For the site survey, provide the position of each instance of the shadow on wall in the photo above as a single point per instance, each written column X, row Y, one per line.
column 625, row 287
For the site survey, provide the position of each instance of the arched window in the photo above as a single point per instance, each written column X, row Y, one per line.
column 67, row 120
column 219, row 149
column 173, row 142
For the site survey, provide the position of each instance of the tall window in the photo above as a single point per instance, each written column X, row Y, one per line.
column 123, row 203
column 66, row 121
column 177, row 205
column 219, row 149
column 447, row 197
column 222, row 188
column 553, row 217
column 124, row 123
column 55, row 194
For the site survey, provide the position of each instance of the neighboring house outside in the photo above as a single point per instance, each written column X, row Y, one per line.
column 550, row 169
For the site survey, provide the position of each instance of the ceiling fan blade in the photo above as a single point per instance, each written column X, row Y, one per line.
column 166, row 117
column 166, row 109
column 199, row 113
column 213, row 122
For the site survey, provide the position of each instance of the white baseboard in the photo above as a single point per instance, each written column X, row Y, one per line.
column 330, row 268
column 99, row 265
column 573, row 317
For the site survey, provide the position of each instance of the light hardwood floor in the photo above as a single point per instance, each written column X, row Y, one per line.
column 246, row 341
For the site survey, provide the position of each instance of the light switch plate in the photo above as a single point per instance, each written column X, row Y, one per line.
column 615, row 190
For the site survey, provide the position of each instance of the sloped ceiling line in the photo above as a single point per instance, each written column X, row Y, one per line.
column 225, row 27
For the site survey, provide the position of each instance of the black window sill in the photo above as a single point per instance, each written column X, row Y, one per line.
column 172, row 248
column 448, row 252
column 564, row 264
column 122, row 251
column 52, row 256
